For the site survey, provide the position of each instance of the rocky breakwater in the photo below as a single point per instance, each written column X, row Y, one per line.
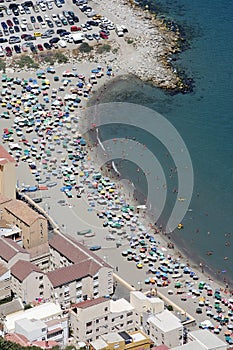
column 146, row 50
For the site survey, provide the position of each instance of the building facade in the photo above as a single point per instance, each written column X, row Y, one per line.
column 7, row 174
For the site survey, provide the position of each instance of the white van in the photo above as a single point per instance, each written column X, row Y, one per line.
column 62, row 43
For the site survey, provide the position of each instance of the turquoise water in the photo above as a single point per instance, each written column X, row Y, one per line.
column 204, row 119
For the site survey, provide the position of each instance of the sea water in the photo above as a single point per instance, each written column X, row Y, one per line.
column 204, row 119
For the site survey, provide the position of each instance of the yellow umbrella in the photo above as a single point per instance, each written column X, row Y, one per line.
column 111, row 190
column 102, row 192
column 81, row 173
column 18, row 102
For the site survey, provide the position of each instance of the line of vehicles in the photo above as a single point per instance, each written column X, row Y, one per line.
column 18, row 34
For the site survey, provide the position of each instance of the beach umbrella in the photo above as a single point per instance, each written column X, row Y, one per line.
column 178, row 285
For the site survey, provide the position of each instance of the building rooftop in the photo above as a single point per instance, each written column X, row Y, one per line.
column 89, row 303
column 9, row 248
column 99, row 344
column 120, row 305
column 73, row 250
column 3, row 269
column 13, row 306
column 165, row 321
column 73, row 272
column 139, row 295
column 208, row 339
column 4, row 199
column 5, row 157
column 192, row 345
column 22, row 211
column 44, row 312
column 17, row 338
column 21, row 269
column 40, row 250
column 112, row 337
column 30, row 324
column 138, row 336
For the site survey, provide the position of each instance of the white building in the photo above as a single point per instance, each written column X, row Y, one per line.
column 123, row 316
column 164, row 328
column 203, row 340
column 43, row 322
column 93, row 318
column 144, row 304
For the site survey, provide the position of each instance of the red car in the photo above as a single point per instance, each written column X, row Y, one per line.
column 9, row 23
column 40, row 47
column 103, row 35
column 8, row 51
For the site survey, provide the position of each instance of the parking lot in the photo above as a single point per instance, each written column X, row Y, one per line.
column 40, row 25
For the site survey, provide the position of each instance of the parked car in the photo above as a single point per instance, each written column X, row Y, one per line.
column 17, row 48
column 8, row 51
column 40, row 47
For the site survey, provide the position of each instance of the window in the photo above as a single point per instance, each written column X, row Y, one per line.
column 88, row 324
column 106, row 309
column 106, row 318
column 129, row 314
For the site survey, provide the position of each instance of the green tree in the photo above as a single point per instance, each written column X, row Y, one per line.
column 85, row 47
column 60, row 57
column 104, row 48
column 2, row 65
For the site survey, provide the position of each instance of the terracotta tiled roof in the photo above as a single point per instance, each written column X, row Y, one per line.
column 5, row 157
column 67, row 248
column 23, row 212
column 88, row 303
column 45, row 344
column 17, row 338
column 4, row 199
column 3, row 269
column 40, row 250
column 21, row 269
column 11, row 307
column 74, row 272
column 73, row 250
column 8, row 249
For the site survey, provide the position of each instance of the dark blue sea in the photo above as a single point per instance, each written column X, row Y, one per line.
column 204, row 119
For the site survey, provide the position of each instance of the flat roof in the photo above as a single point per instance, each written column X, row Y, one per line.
column 139, row 295
column 41, row 312
column 137, row 336
column 31, row 325
column 120, row 305
column 192, row 345
column 112, row 337
column 207, row 338
column 99, row 344
column 165, row 321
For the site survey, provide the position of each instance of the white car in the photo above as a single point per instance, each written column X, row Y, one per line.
column 46, row 18
column 62, row 43
column 42, row 6
column 54, row 17
column 24, row 20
